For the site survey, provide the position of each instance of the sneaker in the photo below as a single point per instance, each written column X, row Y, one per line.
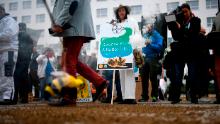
column 194, row 101
column 106, row 100
column 154, row 99
column 175, row 101
column 24, row 101
column 128, row 101
column 36, row 99
column 63, row 102
column 118, row 99
column 7, row 102
column 204, row 100
column 216, row 102
column 99, row 91
column 142, row 100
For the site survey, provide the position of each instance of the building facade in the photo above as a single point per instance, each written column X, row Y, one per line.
column 104, row 10
column 33, row 13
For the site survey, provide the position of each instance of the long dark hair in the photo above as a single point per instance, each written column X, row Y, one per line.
column 186, row 5
column 127, row 10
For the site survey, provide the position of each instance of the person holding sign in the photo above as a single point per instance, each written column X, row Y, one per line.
column 73, row 21
column 127, row 77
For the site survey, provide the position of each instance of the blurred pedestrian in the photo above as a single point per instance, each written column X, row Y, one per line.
column 22, row 65
column 77, row 16
column 8, row 56
column 151, row 68
column 46, row 64
column 186, row 35
column 34, row 80
column 216, row 28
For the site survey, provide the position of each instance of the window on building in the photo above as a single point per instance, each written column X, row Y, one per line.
column 210, row 21
column 42, row 32
column 15, row 18
column 2, row 4
column 13, row 6
column 52, row 2
column 27, row 4
column 194, row 4
column 157, row 8
column 101, row 12
column 26, row 19
column 172, row 6
column 135, row 10
column 40, row 18
column 97, row 29
column 211, row 4
column 40, row 4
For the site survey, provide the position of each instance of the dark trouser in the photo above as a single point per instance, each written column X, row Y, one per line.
column 34, row 81
column 43, row 83
column 203, row 75
column 71, row 64
column 109, row 77
column 176, row 78
column 21, row 82
column 150, row 70
column 193, row 73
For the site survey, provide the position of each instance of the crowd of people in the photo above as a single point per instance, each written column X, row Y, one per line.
column 22, row 67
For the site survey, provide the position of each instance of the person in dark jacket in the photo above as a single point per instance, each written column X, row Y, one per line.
column 185, row 32
column 34, row 79
column 22, row 65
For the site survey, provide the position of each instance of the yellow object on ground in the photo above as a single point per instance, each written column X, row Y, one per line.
column 65, row 80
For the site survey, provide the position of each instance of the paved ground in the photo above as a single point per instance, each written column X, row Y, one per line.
column 98, row 113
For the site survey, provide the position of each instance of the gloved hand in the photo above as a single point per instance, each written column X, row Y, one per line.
column 57, row 29
column 148, row 41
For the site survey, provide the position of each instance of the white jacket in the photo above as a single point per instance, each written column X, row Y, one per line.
column 8, row 34
column 127, row 77
column 42, row 63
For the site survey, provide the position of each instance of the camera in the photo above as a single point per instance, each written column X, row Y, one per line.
column 170, row 18
column 173, row 17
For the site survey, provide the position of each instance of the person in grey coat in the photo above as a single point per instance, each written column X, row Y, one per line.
column 8, row 56
column 73, row 22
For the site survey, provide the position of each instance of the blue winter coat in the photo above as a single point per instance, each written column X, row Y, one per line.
column 153, row 49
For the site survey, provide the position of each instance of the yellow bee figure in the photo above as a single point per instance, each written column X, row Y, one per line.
column 62, row 80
